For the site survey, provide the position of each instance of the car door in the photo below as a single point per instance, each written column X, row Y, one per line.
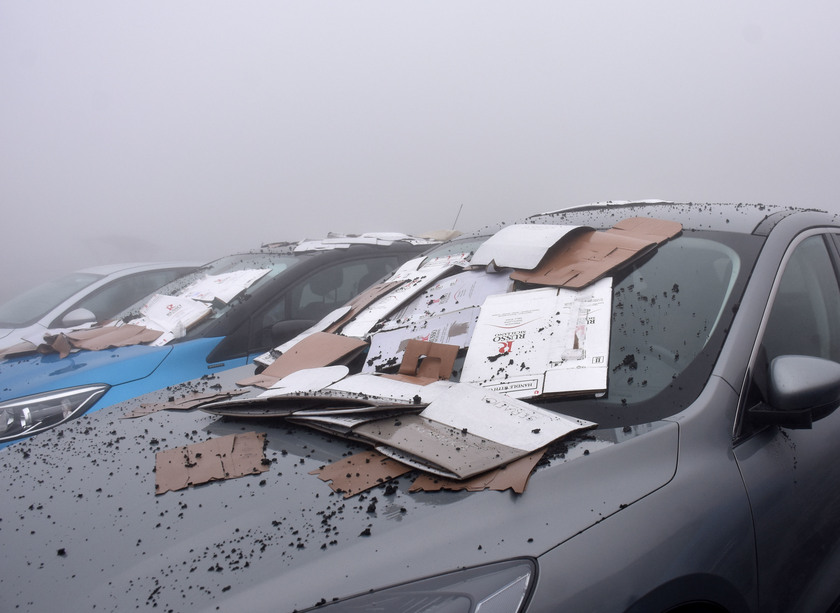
column 792, row 476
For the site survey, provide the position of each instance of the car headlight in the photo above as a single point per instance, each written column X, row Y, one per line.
column 496, row 588
column 32, row 414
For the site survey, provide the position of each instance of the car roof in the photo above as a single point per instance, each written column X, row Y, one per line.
column 745, row 218
column 110, row 269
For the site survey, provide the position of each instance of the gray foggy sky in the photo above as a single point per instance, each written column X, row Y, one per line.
column 191, row 129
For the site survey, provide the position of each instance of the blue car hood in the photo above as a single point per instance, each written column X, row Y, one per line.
column 42, row 373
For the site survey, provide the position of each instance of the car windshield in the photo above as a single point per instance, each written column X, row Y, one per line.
column 272, row 262
column 29, row 307
column 670, row 315
column 670, row 311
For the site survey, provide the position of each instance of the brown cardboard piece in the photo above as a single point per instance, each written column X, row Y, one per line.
column 318, row 349
column 225, row 457
column 586, row 257
column 513, row 476
column 360, row 472
column 185, row 403
column 96, row 339
column 424, row 362
column 263, row 381
column 658, row 230
column 21, row 348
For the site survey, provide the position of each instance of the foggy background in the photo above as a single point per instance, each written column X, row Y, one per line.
column 191, row 129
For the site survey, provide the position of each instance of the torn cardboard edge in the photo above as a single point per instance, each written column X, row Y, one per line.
column 225, row 457
column 190, row 401
column 317, row 349
column 363, row 471
column 582, row 258
column 513, row 476
column 425, row 362
column 360, row 472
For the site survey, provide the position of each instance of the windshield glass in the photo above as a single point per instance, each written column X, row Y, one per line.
column 670, row 314
column 32, row 305
column 260, row 268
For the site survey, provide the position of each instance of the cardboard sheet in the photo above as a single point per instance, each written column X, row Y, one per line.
column 306, row 381
column 225, row 457
column 584, row 257
column 325, row 324
column 514, row 476
column 648, row 228
column 95, row 339
column 521, row 245
column 223, row 287
column 542, row 341
column 451, row 328
column 362, row 471
column 318, row 349
column 173, row 315
column 463, row 290
column 411, row 282
column 385, row 389
column 22, row 348
column 184, row 403
column 466, row 431
column 425, row 362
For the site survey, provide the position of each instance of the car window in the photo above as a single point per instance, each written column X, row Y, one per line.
column 671, row 311
column 117, row 295
column 30, row 306
column 804, row 317
column 317, row 295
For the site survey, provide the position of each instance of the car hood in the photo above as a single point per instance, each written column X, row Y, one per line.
column 40, row 373
column 280, row 540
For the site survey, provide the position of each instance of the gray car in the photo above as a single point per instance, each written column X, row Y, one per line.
column 708, row 484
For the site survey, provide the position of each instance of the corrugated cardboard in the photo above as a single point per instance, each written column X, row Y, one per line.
column 362, row 471
column 225, row 457
column 184, row 403
column 583, row 258
column 514, row 476
column 318, row 349
column 424, row 362
column 657, row 230
column 466, row 431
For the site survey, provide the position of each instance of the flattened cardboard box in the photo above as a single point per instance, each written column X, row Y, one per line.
column 582, row 258
column 452, row 328
column 542, row 341
column 223, row 287
column 359, row 472
column 514, row 476
column 466, row 431
column 411, row 282
column 225, row 457
column 318, row 349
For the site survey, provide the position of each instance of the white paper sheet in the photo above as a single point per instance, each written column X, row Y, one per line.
column 540, row 341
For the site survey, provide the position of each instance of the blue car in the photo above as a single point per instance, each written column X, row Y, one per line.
column 303, row 282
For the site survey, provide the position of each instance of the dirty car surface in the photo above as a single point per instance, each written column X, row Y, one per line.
column 708, row 483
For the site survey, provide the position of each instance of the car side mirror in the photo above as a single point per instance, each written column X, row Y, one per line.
column 78, row 317
column 801, row 390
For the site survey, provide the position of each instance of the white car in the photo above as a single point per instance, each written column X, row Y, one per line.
column 84, row 296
